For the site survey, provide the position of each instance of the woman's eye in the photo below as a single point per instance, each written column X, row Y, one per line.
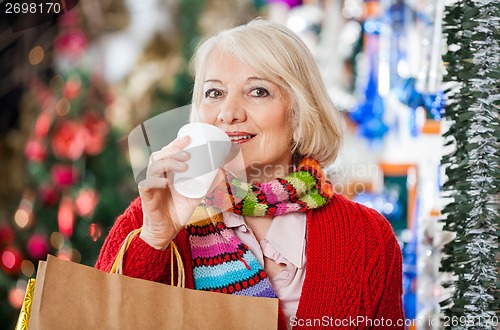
column 213, row 93
column 259, row 92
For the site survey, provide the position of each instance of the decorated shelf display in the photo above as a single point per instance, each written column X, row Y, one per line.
column 422, row 88
column 400, row 105
column 369, row 113
column 395, row 104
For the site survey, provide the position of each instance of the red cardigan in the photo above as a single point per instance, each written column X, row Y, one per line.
column 353, row 275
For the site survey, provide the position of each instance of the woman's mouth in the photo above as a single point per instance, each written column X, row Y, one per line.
column 240, row 137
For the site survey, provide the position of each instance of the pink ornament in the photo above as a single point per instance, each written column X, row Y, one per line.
column 38, row 246
column 85, row 202
column 48, row 193
column 66, row 217
column 71, row 43
column 35, row 150
column 10, row 260
column 64, row 175
column 68, row 141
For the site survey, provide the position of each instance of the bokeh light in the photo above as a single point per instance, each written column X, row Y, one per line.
column 27, row 268
column 22, row 218
column 56, row 82
column 57, row 240
column 76, row 256
column 36, row 55
column 16, row 297
column 62, row 107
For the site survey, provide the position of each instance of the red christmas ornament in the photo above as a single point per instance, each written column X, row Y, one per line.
column 48, row 194
column 68, row 141
column 85, row 202
column 72, row 89
column 66, row 217
column 10, row 260
column 38, row 246
column 95, row 231
column 64, row 175
column 42, row 124
column 35, row 150
column 97, row 129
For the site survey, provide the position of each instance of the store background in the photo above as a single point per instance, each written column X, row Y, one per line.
column 73, row 87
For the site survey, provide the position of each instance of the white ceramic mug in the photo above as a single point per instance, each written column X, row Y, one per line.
column 209, row 147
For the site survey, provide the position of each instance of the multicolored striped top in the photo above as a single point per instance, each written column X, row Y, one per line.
column 221, row 263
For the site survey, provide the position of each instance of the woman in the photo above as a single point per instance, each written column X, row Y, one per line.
column 291, row 237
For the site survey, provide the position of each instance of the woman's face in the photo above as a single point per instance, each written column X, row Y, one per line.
column 253, row 111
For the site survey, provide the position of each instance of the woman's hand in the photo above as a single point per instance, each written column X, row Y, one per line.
column 165, row 211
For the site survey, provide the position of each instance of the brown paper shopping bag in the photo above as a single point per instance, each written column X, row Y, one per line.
column 72, row 296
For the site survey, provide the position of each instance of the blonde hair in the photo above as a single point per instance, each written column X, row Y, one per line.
column 280, row 56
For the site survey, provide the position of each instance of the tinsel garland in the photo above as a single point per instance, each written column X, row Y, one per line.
column 472, row 28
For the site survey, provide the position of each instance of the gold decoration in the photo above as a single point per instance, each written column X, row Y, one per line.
column 24, row 315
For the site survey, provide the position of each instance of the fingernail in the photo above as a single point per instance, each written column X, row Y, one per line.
column 181, row 165
column 183, row 154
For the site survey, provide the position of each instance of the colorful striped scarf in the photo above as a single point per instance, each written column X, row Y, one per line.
column 221, row 262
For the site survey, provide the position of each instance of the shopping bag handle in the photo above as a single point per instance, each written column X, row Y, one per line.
column 117, row 267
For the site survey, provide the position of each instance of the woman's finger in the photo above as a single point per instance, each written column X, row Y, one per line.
column 158, row 168
column 180, row 155
column 173, row 149
column 152, row 183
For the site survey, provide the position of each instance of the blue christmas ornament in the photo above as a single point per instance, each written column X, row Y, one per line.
column 369, row 114
column 434, row 103
column 408, row 95
column 372, row 25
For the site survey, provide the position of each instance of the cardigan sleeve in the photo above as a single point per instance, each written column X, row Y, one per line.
column 387, row 288
column 140, row 260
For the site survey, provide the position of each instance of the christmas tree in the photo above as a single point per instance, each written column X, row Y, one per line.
column 77, row 177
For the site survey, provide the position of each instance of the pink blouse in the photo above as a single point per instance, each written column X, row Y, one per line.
column 285, row 243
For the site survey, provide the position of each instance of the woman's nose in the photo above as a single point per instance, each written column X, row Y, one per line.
column 232, row 110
